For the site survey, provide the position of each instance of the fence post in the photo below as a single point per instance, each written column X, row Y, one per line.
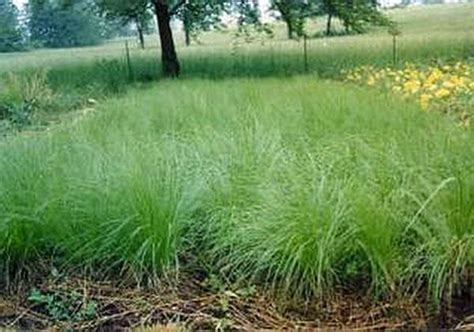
column 305, row 52
column 394, row 31
column 129, row 62
column 394, row 50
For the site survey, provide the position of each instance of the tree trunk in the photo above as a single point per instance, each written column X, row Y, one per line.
column 170, row 63
column 328, row 25
column 287, row 17
column 289, row 26
column 187, row 28
column 346, row 26
column 187, row 37
column 141, row 37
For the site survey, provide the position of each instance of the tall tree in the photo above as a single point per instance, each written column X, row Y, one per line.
column 200, row 15
column 169, row 59
column 137, row 12
column 294, row 14
column 248, row 12
column 329, row 7
column 195, row 13
column 10, row 35
column 356, row 15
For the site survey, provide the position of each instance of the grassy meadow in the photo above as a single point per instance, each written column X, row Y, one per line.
column 245, row 168
column 427, row 33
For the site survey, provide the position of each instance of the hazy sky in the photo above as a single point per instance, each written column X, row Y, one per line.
column 19, row 3
column 263, row 3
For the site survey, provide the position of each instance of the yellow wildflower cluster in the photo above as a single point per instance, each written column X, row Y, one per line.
column 445, row 87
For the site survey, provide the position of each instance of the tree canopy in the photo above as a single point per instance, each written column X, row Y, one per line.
column 356, row 15
column 199, row 15
column 294, row 14
column 137, row 12
column 64, row 23
column 10, row 35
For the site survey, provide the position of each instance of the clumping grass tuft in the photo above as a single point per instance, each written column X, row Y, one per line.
column 304, row 187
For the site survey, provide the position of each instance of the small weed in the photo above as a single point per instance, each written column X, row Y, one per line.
column 247, row 292
column 214, row 283
column 64, row 307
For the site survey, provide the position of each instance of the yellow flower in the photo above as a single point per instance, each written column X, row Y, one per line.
column 411, row 86
column 432, row 78
column 425, row 101
column 442, row 93
column 429, row 86
column 458, row 81
column 432, row 87
column 448, row 85
column 371, row 81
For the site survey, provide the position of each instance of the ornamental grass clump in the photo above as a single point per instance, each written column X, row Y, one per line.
column 304, row 188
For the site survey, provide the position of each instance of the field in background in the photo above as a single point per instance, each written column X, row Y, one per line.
column 243, row 176
column 426, row 32
column 76, row 76
column 99, row 71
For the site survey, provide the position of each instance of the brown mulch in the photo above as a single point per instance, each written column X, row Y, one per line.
column 188, row 303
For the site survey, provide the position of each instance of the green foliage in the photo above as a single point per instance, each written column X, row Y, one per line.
column 135, row 12
column 10, row 34
column 22, row 97
column 196, row 15
column 303, row 187
column 247, row 11
column 356, row 15
column 127, row 10
column 294, row 13
column 54, row 23
column 64, row 306
column 201, row 15
column 76, row 79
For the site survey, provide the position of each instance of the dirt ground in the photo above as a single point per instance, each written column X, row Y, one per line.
column 192, row 303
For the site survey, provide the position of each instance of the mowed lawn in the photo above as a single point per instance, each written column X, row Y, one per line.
column 298, row 185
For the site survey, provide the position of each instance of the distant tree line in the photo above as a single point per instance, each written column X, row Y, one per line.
column 11, row 38
column 61, row 23
column 73, row 23
column 356, row 15
column 64, row 23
